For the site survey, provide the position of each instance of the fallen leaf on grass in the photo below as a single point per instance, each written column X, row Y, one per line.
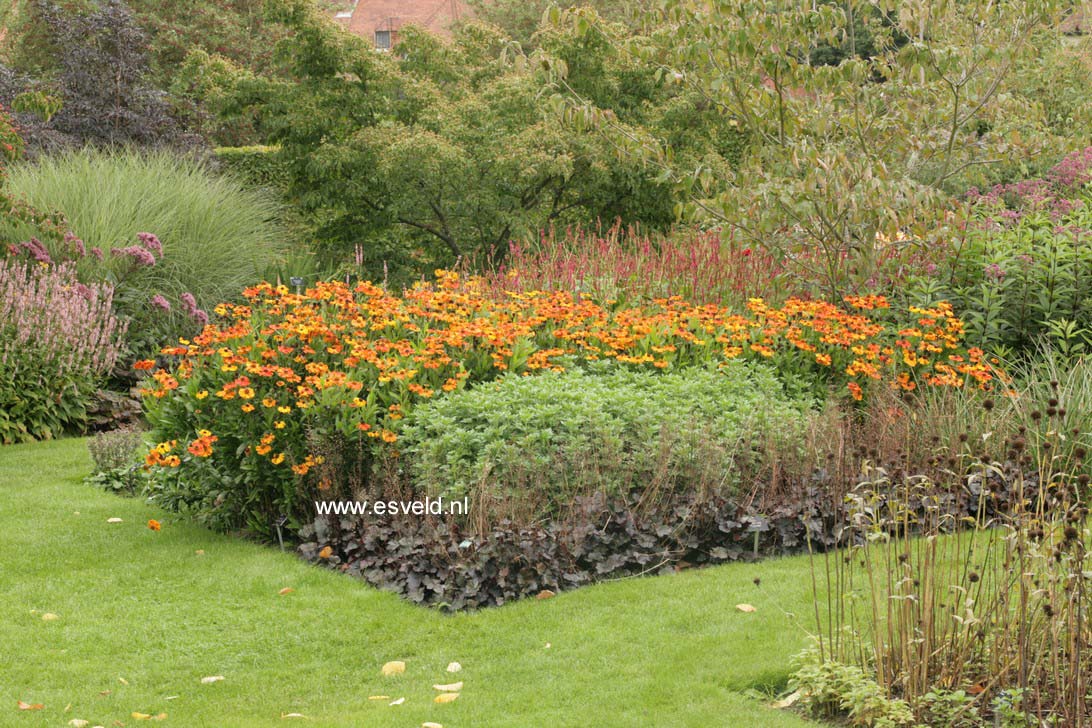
column 431, row 725
column 326, row 552
column 548, row 646
column 286, row 590
column 544, row 594
column 397, row 702
column 454, row 667
column 79, row 723
column 49, row 617
column 172, row 697
column 105, row 692
column 148, row 716
column 200, row 552
column 30, row 706
column 211, row 679
column 395, row 667
column 114, row 520
column 379, row 697
column 285, row 716
column 452, row 688
column 745, row 608
column 122, row 680
column 445, row 698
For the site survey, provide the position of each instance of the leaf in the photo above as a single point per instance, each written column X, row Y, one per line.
column 49, row 617
column 122, row 680
column 30, row 706
column 446, row 698
column 379, row 697
column 286, row 590
column 211, row 679
column 395, row 667
column 79, row 723
column 399, row 701
column 286, row 716
column 454, row 667
column 745, row 608
column 545, row 594
column 326, row 552
column 200, row 552
column 430, row 724
column 452, row 688
column 114, row 520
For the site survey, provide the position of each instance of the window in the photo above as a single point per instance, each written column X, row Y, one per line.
column 383, row 40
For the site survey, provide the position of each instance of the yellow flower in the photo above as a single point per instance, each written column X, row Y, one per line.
column 279, row 424
column 246, row 393
column 284, row 410
column 202, row 394
column 263, row 449
column 269, row 402
column 247, row 407
column 277, row 459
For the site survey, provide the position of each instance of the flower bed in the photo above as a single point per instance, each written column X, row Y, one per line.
column 242, row 411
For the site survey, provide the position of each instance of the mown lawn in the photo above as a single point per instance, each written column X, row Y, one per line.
column 143, row 617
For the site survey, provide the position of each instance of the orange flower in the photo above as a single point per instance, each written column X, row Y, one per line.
column 154, row 525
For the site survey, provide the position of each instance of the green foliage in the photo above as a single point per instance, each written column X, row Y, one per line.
column 520, row 19
column 839, row 150
column 441, row 151
column 530, row 445
column 114, row 449
column 257, row 166
column 833, row 689
column 117, row 467
column 217, row 237
column 1022, row 274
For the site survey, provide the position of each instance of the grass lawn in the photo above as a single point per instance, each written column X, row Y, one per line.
column 143, row 617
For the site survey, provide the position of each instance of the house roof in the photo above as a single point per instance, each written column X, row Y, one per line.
column 436, row 16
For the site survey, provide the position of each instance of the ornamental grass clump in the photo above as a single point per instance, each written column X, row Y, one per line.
column 58, row 339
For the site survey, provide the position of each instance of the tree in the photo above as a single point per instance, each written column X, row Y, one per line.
column 840, row 150
column 438, row 151
column 98, row 68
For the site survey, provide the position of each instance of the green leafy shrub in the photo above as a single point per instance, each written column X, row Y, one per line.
column 257, row 166
column 117, row 465
column 114, row 449
column 58, row 339
column 216, row 236
column 532, row 444
column 834, row 689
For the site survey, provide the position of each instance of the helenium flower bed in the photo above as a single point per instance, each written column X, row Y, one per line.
column 293, row 397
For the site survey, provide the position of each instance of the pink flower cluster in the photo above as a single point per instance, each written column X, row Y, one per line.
column 54, row 327
column 189, row 303
column 145, row 255
column 1057, row 194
